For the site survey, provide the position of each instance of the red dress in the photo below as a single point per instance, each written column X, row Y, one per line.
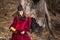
column 22, row 26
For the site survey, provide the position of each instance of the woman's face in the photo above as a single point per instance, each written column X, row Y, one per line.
column 21, row 13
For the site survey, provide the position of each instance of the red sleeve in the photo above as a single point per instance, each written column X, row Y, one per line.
column 14, row 22
column 28, row 24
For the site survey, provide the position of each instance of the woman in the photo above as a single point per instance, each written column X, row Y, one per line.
column 20, row 26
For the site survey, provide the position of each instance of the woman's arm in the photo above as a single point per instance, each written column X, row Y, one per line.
column 12, row 26
column 28, row 26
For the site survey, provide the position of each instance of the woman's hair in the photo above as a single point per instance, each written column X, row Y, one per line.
column 20, row 8
column 21, row 18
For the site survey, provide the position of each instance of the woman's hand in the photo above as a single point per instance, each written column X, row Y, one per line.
column 13, row 29
column 23, row 32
